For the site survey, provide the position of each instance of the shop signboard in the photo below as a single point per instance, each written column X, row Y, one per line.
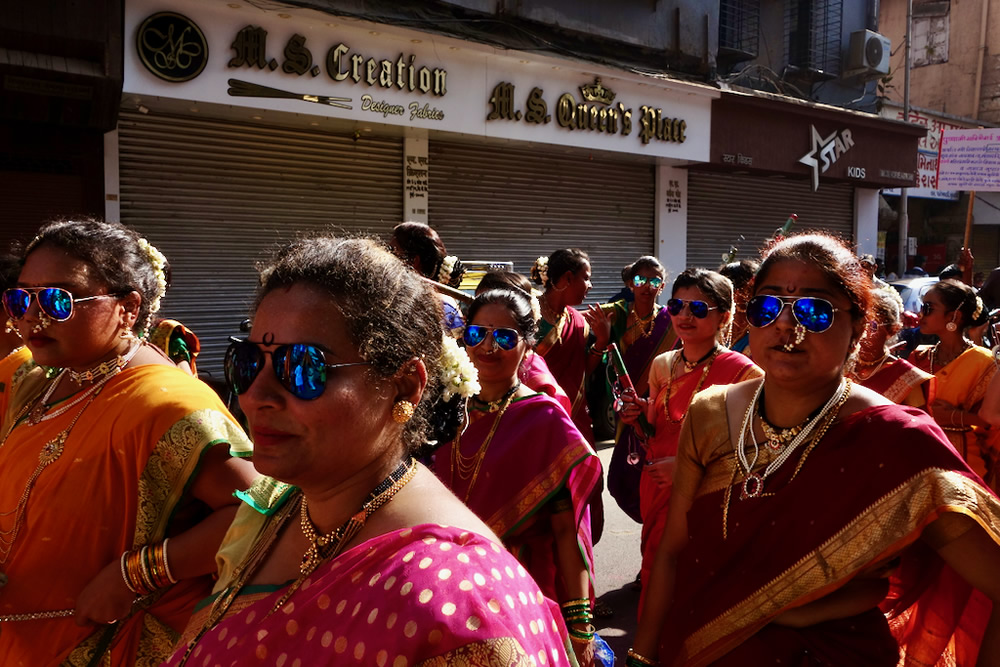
column 247, row 62
column 926, row 185
column 970, row 160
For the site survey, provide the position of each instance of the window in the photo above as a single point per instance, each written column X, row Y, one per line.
column 739, row 22
column 813, row 36
column 931, row 26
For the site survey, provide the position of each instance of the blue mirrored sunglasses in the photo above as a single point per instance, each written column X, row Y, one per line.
column 301, row 368
column 506, row 339
column 55, row 302
column 815, row 314
column 655, row 283
column 698, row 308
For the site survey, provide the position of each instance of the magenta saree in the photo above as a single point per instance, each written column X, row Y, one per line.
column 536, row 452
column 535, row 374
column 427, row 595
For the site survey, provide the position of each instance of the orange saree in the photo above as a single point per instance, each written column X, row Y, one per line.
column 121, row 481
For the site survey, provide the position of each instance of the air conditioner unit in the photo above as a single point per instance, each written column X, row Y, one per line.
column 868, row 55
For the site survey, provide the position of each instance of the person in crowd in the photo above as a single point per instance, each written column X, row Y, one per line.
column 766, row 558
column 625, row 293
column 534, row 373
column 348, row 550
column 523, row 466
column 117, row 476
column 877, row 368
column 962, row 369
column 10, row 339
column 417, row 244
column 741, row 274
column 564, row 335
column 870, row 266
column 178, row 342
column 701, row 306
column 642, row 330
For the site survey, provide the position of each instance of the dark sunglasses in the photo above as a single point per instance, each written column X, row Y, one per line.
column 815, row 314
column 506, row 339
column 926, row 308
column 301, row 368
column 55, row 302
column 698, row 308
column 655, row 283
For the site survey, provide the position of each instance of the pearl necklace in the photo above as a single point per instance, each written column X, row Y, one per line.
column 753, row 483
column 875, row 367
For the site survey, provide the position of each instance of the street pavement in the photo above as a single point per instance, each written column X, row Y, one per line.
column 616, row 563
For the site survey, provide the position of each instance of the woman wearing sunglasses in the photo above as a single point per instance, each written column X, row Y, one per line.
column 349, row 551
column 877, row 368
column 641, row 330
column 962, row 370
column 813, row 522
column 117, row 476
column 13, row 352
column 563, row 333
column 701, row 307
column 523, row 466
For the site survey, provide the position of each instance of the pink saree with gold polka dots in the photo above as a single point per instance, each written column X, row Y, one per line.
column 428, row 595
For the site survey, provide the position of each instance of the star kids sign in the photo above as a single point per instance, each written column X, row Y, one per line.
column 826, row 151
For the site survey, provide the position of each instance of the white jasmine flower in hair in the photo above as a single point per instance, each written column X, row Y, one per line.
column 447, row 266
column 458, row 374
column 542, row 264
column 536, row 308
column 159, row 263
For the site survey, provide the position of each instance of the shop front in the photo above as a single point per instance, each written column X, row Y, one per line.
column 242, row 127
column 771, row 158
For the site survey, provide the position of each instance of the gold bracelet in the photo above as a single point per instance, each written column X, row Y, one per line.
column 573, row 603
column 640, row 658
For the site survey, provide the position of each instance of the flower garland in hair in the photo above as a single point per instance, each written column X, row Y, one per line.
column 536, row 307
column 458, row 375
column 159, row 263
column 541, row 269
column 979, row 309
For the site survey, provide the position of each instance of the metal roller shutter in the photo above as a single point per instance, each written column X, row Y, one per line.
column 506, row 204
column 721, row 207
column 216, row 197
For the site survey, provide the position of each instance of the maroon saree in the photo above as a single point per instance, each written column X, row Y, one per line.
column 864, row 496
column 565, row 351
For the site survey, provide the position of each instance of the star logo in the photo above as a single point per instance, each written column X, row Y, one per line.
column 822, row 151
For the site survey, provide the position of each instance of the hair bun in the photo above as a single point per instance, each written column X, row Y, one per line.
column 540, row 271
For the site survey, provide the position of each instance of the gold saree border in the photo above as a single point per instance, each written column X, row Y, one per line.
column 538, row 489
column 172, row 466
column 899, row 390
column 890, row 524
column 488, row 653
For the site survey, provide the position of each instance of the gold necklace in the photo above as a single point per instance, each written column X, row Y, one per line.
column 670, row 382
column 468, row 467
column 245, row 570
column 644, row 325
column 49, row 454
column 966, row 344
column 493, row 406
column 874, row 367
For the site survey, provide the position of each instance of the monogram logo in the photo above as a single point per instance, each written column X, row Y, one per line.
column 172, row 47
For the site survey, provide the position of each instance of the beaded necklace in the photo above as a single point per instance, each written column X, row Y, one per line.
column 644, row 325
column 493, row 406
column 753, row 483
column 778, row 437
column 691, row 365
column 966, row 344
column 468, row 466
column 874, row 367
column 332, row 544
column 701, row 381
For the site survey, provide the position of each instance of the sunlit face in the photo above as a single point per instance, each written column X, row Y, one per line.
column 690, row 329
column 315, row 444
column 820, row 357
column 91, row 333
column 647, row 294
column 934, row 314
column 494, row 364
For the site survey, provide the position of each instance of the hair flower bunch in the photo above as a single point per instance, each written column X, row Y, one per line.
column 159, row 263
column 541, row 269
column 458, row 375
column 536, row 307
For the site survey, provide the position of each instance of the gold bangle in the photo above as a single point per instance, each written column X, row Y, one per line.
column 578, row 601
column 597, row 353
column 641, row 658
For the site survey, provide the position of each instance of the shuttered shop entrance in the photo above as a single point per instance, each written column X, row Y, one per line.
column 721, row 207
column 216, row 197
column 505, row 204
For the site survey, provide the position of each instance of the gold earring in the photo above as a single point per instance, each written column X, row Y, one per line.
column 402, row 411
column 11, row 327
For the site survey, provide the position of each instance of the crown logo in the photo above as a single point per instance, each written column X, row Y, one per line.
column 595, row 92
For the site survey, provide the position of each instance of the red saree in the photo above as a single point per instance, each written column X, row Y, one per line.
column 727, row 368
column 536, row 452
column 902, row 382
column 864, row 495
column 427, row 595
column 565, row 350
